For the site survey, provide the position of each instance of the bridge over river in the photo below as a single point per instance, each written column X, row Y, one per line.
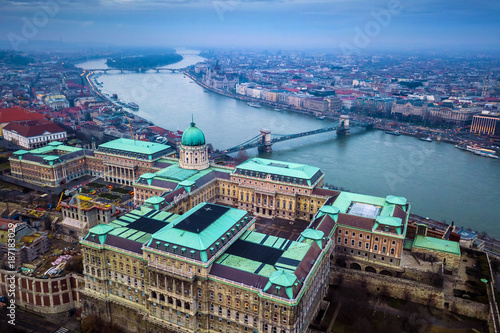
column 136, row 70
column 264, row 141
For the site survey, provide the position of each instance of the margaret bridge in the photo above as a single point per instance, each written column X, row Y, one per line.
column 137, row 70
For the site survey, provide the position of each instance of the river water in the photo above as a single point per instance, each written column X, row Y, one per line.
column 439, row 181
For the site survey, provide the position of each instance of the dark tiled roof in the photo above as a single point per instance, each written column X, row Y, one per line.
column 236, row 275
column 307, row 262
column 123, row 243
column 222, row 175
column 162, row 165
column 33, row 158
column 326, row 225
column 398, row 212
column 355, row 221
column 325, row 192
column 170, row 197
column 205, row 179
column 161, row 183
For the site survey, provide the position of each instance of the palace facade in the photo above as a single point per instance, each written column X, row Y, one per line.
column 190, row 258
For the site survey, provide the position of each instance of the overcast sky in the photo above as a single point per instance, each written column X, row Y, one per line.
column 288, row 24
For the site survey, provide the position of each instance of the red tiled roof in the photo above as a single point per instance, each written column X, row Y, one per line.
column 355, row 221
column 33, row 127
column 17, row 114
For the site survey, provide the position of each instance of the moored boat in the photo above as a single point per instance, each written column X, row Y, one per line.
column 133, row 106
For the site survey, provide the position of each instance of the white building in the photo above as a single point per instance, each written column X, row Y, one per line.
column 33, row 134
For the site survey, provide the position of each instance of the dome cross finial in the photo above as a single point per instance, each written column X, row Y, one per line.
column 192, row 120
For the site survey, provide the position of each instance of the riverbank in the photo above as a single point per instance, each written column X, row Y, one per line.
column 446, row 136
column 276, row 105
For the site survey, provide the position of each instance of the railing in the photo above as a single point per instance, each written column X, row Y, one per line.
column 189, row 275
column 492, row 301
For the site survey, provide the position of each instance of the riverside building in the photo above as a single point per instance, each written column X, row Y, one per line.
column 205, row 271
column 191, row 260
column 119, row 161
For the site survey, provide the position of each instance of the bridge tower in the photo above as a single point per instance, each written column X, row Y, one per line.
column 265, row 141
column 343, row 125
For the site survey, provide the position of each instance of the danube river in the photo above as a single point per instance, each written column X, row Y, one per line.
column 439, row 181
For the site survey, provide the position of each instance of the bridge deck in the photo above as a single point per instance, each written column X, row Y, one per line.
column 257, row 141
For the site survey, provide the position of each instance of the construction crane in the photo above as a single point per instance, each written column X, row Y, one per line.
column 129, row 125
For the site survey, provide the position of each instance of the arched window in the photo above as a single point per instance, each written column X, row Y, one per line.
column 384, row 249
column 283, row 320
column 275, row 317
column 375, row 247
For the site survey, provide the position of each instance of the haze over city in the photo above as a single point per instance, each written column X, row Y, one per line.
column 288, row 166
column 402, row 25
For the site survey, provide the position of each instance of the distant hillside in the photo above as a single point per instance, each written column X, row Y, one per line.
column 144, row 61
column 15, row 59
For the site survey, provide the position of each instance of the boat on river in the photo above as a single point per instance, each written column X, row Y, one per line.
column 133, row 106
column 254, row 105
column 393, row 133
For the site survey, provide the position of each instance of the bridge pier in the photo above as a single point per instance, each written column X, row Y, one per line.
column 343, row 126
column 265, row 141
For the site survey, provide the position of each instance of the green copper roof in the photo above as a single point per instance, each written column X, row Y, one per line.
column 283, row 278
column 174, row 172
column 21, row 152
column 389, row 221
column 155, row 200
column 147, row 175
column 332, row 211
column 136, row 226
column 437, row 244
column 193, row 136
column 286, row 169
column 292, row 253
column 179, row 176
column 101, row 229
column 49, row 148
column 135, row 146
column 54, row 143
column 313, row 234
column 187, row 183
column 392, row 199
column 205, row 238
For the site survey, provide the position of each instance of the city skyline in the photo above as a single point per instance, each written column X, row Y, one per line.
column 348, row 26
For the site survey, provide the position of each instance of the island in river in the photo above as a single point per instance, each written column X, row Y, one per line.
column 148, row 61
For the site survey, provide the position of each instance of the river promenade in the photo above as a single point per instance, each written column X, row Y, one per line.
column 443, row 135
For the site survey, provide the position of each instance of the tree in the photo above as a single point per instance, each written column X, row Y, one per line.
column 241, row 157
column 363, row 325
column 94, row 324
column 75, row 265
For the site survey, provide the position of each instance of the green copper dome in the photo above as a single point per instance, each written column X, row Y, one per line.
column 193, row 136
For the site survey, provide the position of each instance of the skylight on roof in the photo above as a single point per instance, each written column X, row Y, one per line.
column 364, row 210
column 279, row 165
